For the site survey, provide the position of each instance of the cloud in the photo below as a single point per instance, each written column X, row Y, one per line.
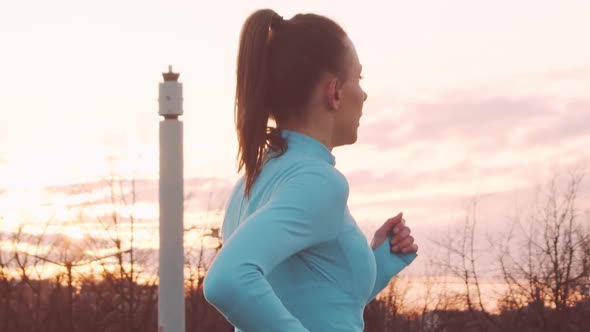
column 577, row 73
column 202, row 193
column 572, row 122
column 423, row 155
column 484, row 120
column 407, row 180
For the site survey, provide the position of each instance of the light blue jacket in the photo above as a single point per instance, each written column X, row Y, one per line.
column 293, row 258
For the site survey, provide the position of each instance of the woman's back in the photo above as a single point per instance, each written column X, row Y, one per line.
column 327, row 285
column 324, row 276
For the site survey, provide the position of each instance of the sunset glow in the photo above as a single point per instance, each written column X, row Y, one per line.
column 470, row 103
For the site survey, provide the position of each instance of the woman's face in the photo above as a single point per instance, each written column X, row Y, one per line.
column 352, row 97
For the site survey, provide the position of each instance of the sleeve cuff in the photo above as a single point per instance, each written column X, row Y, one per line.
column 388, row 264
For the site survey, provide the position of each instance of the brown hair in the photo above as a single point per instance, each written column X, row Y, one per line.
column 279, row 64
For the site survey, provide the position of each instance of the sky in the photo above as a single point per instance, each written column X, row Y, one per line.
column 466, row 98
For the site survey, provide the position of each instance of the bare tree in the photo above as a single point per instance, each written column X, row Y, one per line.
column 550, row 257
column 435, row 297
column 132, row 285
column 462, row 258
column 30, row 268
column 7, row 286
column 197, row 262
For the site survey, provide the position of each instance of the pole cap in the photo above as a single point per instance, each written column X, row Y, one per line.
column 170, row 76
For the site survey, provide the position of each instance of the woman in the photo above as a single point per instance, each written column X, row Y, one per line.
column 294, row 258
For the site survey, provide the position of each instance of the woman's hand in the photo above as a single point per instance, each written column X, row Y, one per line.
column 401, row 241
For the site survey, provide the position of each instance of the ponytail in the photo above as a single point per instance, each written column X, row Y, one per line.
column 279, row 63
column 252, row 109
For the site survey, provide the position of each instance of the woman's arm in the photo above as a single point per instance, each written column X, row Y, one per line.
column 306, row 209
column 388, row 265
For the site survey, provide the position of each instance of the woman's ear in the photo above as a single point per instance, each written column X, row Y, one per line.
column 333, row 93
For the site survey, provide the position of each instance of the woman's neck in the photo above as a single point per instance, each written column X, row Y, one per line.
column 323, row 135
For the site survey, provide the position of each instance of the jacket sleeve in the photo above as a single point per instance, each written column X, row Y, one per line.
column 388, row 265
column 306, row 209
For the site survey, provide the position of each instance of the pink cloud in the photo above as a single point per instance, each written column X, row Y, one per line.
column 490, row 124
column 578, row 73
column 201, row 192
column 456, row 118
column 571, row 123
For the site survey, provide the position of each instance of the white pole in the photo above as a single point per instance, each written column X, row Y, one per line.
column 171, row 269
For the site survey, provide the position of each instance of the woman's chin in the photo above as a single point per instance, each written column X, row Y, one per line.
column 347, row 138
column 353, row 137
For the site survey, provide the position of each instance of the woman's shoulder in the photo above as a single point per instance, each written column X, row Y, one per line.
column 313, row 173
